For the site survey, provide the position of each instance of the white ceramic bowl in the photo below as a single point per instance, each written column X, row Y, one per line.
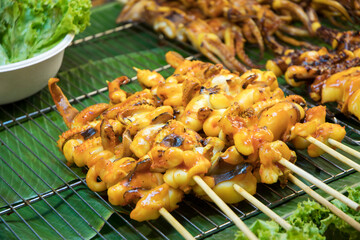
column 22, row 79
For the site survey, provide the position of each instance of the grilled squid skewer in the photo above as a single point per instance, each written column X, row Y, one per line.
column 174, row 159
column 92, row 142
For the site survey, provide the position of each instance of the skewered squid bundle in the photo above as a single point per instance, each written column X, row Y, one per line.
column 96, row 144
column 277, row 152
column 250, row 109
column 140, row 154
column 331, row 76
column 129, row 180
column 132, row 179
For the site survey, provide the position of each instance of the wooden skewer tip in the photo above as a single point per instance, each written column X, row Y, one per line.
column 334, row 153
column 320, row 184
column 344, row 147
column 225, row 208
column 262, row 207
column 180, row 228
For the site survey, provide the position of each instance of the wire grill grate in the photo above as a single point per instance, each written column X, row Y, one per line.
column 34, row 178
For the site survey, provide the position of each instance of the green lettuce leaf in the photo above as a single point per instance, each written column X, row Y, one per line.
column 264, row 230
column 3, row 56
column 311, row 221
column 31, row 27
column 270, row 230
column 340, row 227
column 312, row 213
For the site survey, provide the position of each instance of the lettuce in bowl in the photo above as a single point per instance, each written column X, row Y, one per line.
column 31, row 27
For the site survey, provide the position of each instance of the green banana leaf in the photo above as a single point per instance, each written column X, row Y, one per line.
column 56, row 219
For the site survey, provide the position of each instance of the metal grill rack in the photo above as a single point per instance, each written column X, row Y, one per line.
column 40, row 194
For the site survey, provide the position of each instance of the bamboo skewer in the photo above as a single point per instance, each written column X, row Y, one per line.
column 334, row 153
column 320, row 184
column 262, row 207
column 344, row 147
column 225, row 208
column 180, row 228
column 325, row 202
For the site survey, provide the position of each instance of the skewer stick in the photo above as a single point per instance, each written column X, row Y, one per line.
column 344, row 147
column 334, row 153
column 319, row 184
column 262, row 207
column 325, row 202
column 180, row 228
column 225, row 208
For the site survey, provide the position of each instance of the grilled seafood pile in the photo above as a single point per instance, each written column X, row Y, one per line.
column 332, row 76
column 203, row 120
column 220, row 29
column 236, row 108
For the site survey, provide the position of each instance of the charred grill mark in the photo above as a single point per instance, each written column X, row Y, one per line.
column 239, row 169
column 143, row 165
column 251, row 78
column 247, row 113
column 160, row 153
column 88, row 133
column 212, row 90
column 162, row 117
column 212, row 70
column 172, row 140
column 133, row 194
column 203, row 113
column 142, row 102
